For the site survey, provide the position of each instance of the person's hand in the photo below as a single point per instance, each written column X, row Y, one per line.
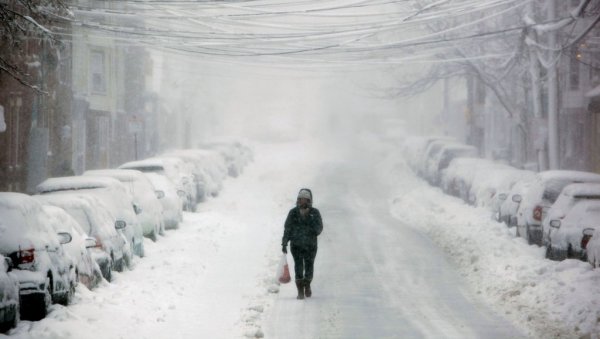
column 284, row 249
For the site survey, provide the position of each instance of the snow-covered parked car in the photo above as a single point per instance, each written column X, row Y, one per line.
column 414, row 148
column 86, row 270
column 172, row 211
column 442, row 159
column 507, row 212
column 114, row 195
column 569, row 196
column 235, row 156
column 9, row 295
column 214, row 165
column 486, row 182
column 144, row 196
column 504, row 191
column 96, row 221
column 456, row 179
column 540, row 196
column 434, row 146
column 176, row 170
column 569, row 237
column 45, row 272
column 202, row 179
column 492, row 185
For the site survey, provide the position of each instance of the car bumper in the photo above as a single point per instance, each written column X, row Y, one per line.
column 30, row 282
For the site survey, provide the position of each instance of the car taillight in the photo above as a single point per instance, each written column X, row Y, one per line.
column 586, row 236
column 99, row 242
column 25, row 256
column 537, row 213
column 584, row 241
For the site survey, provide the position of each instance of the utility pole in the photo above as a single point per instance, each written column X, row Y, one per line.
column 552, row 91
column 445, row 110
column 536, row 90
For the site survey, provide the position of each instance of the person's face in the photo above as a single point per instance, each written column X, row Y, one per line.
column 303, row 202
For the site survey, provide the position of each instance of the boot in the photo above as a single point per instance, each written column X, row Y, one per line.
column 300, row 286
column 307, row 290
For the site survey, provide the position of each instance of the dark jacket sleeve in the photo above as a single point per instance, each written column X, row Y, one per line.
column 288, row 229
column 318, row 222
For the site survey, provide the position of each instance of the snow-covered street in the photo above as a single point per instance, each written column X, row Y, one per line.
column 378, row 273
column 159, row 158
column 375, row 276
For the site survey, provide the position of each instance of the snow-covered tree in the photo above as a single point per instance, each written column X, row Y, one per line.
column 21, row 21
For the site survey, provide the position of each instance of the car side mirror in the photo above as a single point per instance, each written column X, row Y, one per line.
column 137, row 209
column 64, row 238
column 159, row 194
column 517, row 198
column 9, row 264
column 555, row 223
column 588, row 232
column 90, row 242
column 120, row 224
column 502, row 196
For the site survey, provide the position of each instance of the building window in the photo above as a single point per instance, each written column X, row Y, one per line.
column 98, row 72
column 574, row 69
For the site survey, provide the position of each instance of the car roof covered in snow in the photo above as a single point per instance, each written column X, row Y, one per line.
column 76, row 183
column 569, row 175
column 154, row 161
column 582, row 189
column 69, row 199
column 22, row 223
column 20, row 201
column 123, row 175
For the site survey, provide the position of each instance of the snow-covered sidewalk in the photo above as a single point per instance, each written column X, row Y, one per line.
column 208, row 279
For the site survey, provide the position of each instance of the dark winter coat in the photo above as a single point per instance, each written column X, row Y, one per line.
column 302, row 231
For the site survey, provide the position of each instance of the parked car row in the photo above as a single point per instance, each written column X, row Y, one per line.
column 79, row 229
column 558, row 209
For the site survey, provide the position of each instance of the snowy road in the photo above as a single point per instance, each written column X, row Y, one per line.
column 375, row 277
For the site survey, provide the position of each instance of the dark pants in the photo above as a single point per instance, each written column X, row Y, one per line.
column 304, row 259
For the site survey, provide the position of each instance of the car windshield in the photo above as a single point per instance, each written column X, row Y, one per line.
column 553, row 189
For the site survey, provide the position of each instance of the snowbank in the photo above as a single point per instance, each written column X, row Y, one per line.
column 545, row 298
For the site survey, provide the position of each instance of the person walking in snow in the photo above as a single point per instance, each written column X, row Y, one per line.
column 302, row 226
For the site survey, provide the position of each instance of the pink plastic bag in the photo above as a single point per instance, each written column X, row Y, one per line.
column 283, row 270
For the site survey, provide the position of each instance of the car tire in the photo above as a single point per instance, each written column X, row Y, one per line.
column 570, row 252
column 550, row 253
column 153, row 236
column 108, row 275
column 67, row 298
column 6, row 326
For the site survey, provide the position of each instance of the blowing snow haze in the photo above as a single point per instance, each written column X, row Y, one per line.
column 151, row 152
